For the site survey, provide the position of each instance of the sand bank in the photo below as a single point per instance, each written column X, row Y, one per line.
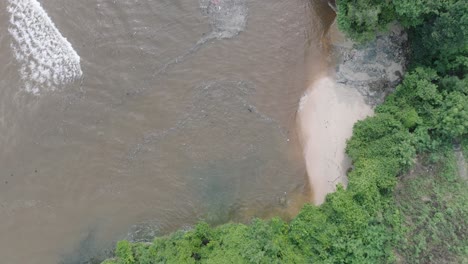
column 326, row 115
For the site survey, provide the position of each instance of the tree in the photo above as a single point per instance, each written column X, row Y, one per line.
column 441, row 42
column 362, row 19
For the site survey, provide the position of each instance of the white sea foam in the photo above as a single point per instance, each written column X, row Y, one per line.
column 47, row 59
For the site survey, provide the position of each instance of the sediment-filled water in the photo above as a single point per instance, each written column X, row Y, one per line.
column 129, row 118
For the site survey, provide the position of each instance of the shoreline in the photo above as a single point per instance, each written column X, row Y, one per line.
column 358, row 78
column 326, row 116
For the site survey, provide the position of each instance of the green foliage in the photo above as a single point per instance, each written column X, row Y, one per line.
column 382, row 137
column 415, row 12
column 453, row 120
column 438, row 28
column 371, row 181
column 143, row 253
column 440, row 42
column 109, row 261
column 124, row 253
column 433, row 108
column 311, row 232
column 418, row 92
column 362, row 19
column 453, row 83
column 434, row 202
column 464, row 147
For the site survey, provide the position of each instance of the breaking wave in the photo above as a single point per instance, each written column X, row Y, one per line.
column 47, row 59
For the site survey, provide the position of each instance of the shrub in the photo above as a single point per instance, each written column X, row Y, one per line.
column 124, row 253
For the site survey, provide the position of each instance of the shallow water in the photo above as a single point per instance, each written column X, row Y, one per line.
column 183, row 110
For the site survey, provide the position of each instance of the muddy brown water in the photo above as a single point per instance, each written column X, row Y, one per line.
column 182, row 113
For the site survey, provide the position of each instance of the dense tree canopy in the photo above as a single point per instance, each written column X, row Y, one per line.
column 438, row 28
column 362, row 19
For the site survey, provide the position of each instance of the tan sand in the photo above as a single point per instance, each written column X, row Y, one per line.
column 326, row 115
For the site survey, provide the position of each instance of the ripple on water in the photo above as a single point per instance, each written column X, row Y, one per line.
column 227, row 19
column 224, row 145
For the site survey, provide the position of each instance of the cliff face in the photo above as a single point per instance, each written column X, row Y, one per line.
column 375, row 68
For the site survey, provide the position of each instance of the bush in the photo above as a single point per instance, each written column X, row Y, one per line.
column 362, row 19
column 435, row 206
column 124, row 253
column 440, row 42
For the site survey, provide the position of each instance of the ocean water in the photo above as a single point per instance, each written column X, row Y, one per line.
column 130, row 118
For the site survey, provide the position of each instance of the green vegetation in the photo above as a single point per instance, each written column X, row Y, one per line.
column 437, row 28
column 362, row 19
column 387, row 214
column 434, row 201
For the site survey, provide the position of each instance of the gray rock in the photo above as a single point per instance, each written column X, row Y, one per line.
column 375, row 68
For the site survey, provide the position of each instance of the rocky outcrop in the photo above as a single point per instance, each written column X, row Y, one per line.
column 374, row 68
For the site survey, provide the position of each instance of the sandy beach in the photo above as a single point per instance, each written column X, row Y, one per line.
column 326, row 115
column 337, row 98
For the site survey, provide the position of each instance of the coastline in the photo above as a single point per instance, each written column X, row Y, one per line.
column 326, row 117
column 405, row 199
column 334, row 101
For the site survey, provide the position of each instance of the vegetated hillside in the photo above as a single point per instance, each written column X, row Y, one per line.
column 405, row 201
column 433, row 199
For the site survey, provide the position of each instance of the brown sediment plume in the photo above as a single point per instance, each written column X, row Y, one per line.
column 318, row 56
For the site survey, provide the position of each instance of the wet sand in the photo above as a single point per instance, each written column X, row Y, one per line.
column 326, row 115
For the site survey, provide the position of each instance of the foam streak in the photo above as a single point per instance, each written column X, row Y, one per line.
column 47, row 59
